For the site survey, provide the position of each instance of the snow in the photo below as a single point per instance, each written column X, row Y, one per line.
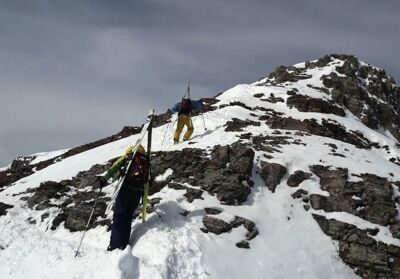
column 169, row 245
column 164, row 176
column 43, row 156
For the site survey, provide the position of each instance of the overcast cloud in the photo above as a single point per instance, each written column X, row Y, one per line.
column 76, row 71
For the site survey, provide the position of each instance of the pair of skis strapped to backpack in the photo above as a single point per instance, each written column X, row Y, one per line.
column 147, row 128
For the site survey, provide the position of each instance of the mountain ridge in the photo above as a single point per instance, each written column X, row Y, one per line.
column 309, row 151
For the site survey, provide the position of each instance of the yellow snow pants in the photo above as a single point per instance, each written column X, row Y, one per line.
column 183, row 120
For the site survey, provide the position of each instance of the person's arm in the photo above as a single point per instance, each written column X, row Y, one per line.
column 116, row 167
column 175, row 108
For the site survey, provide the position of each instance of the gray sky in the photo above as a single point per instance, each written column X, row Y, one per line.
column 76, row 71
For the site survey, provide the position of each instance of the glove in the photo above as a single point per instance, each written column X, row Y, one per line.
column 102, row 181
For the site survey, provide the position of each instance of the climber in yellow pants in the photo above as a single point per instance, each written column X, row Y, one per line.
column 183, row 120
column 184, row 110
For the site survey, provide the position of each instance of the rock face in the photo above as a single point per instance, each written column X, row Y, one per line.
column 368, row 92
column 227, row 173
column 370, row 199
column 371, row 259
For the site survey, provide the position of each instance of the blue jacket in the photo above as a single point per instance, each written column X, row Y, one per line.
column 195, row 105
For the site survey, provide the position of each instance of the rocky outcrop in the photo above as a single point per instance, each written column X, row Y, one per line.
column 371, row 198
column 308, row 104
column 368, row 92
column 227, row 173
column 218, row 226
column 237, row 125
column 328, row 128
column 369, row 258
column 272, row 173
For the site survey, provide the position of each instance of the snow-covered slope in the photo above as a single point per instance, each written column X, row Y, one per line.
column 290, row 243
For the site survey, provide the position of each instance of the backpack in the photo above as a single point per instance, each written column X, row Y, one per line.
column 186, row 106
column 137, row 174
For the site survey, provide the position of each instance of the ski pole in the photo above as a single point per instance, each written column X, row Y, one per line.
column 87, row 225
column 204, row 122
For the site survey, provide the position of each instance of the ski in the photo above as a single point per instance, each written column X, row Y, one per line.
column 148, row 183
column 145, row 128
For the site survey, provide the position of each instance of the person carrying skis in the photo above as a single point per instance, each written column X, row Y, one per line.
column 184, row 110
column 129, row 195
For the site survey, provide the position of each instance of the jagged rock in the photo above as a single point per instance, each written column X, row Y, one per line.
column 237, row 125
column 259, row 95
column 236, row 103
column 4, row 208
column 272, row 173
column 298, row 177
column 361, row 90
column 308, row 104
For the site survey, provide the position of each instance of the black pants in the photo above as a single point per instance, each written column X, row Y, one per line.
column 125, row 204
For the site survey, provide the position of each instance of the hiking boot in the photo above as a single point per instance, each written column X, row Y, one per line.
column 176, row 141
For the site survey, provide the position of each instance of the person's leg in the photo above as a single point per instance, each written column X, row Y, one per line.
column 190, row 128
column 179, row 128
column 125, row 205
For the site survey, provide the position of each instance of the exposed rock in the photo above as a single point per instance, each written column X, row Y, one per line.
column 212, row 211
column 216, row 225
column 374, row 194
column 298, row 177
column 272, row 173
column 236, row 103
column 395, row 230
column 327, row 129
column 308, row 104
column 219, row 226
column 227, row 174
column 237, row 125
column 284, row 74
column 362, row 90
column 259, row 95
column 273, row 99
column 4, row 208
column 193, row 194
column 243, row 244
column 299, row 194
column 370, row 258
